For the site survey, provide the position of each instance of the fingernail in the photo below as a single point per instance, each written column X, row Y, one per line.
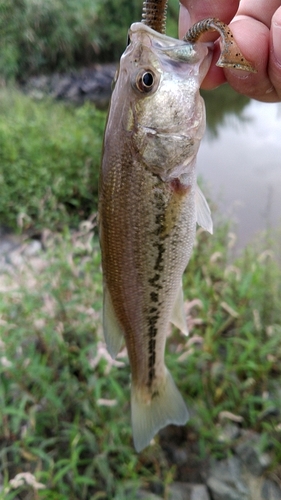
column 276, row 41
column 239, row 73
column 184, row 21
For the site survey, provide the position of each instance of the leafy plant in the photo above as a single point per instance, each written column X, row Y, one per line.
column 38, row 35
column 49, row 161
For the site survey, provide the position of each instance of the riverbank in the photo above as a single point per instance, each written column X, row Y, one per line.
column 87, row 84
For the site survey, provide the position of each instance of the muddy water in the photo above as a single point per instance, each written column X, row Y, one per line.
column 240, row 161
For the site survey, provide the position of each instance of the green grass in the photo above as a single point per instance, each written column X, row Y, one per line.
column 65, row 411
column 237, row 367
column 49, row 161
column 64, row 403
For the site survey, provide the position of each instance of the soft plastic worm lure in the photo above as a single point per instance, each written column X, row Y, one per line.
column 154, row 16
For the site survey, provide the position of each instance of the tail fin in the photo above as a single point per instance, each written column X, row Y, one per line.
column 167, row 407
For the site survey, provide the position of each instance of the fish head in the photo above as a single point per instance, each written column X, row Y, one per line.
column 158, row 103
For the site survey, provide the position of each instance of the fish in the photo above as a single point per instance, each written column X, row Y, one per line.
column 149, row 206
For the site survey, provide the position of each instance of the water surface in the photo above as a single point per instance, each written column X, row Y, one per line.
column 240, row 160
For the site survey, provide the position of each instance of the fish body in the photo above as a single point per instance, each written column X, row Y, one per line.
column 149, row 203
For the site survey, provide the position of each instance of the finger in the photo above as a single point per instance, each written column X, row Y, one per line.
column 252, row 38
column 215, row 75
column 191, row 12
column 274, row 67
column 258, row 10
column 197, row 10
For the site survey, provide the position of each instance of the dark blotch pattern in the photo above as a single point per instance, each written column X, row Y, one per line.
column 154, row 282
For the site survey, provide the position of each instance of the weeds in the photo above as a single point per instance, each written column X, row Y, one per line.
column 235, row 367
column 64, row 402
column 49, row 162
column 65, row 417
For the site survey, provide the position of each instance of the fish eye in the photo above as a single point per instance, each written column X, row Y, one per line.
column 145, row 81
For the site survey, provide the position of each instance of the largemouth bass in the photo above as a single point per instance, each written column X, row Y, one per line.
column 149, row 204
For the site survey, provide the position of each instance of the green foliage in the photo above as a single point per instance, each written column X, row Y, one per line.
column 49, row 161
column 64, row 403
column 37, row 35
column 172, row 18
column 237, row 366
column 42, row 36
column 114, row 20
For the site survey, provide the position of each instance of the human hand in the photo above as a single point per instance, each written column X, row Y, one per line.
column 256, row 26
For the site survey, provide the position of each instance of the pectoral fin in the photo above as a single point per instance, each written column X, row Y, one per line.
column 204, row 218
column 178, row 315
column 111, row 329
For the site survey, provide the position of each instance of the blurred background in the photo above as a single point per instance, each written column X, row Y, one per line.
column 65, row 429
column 239, row 160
